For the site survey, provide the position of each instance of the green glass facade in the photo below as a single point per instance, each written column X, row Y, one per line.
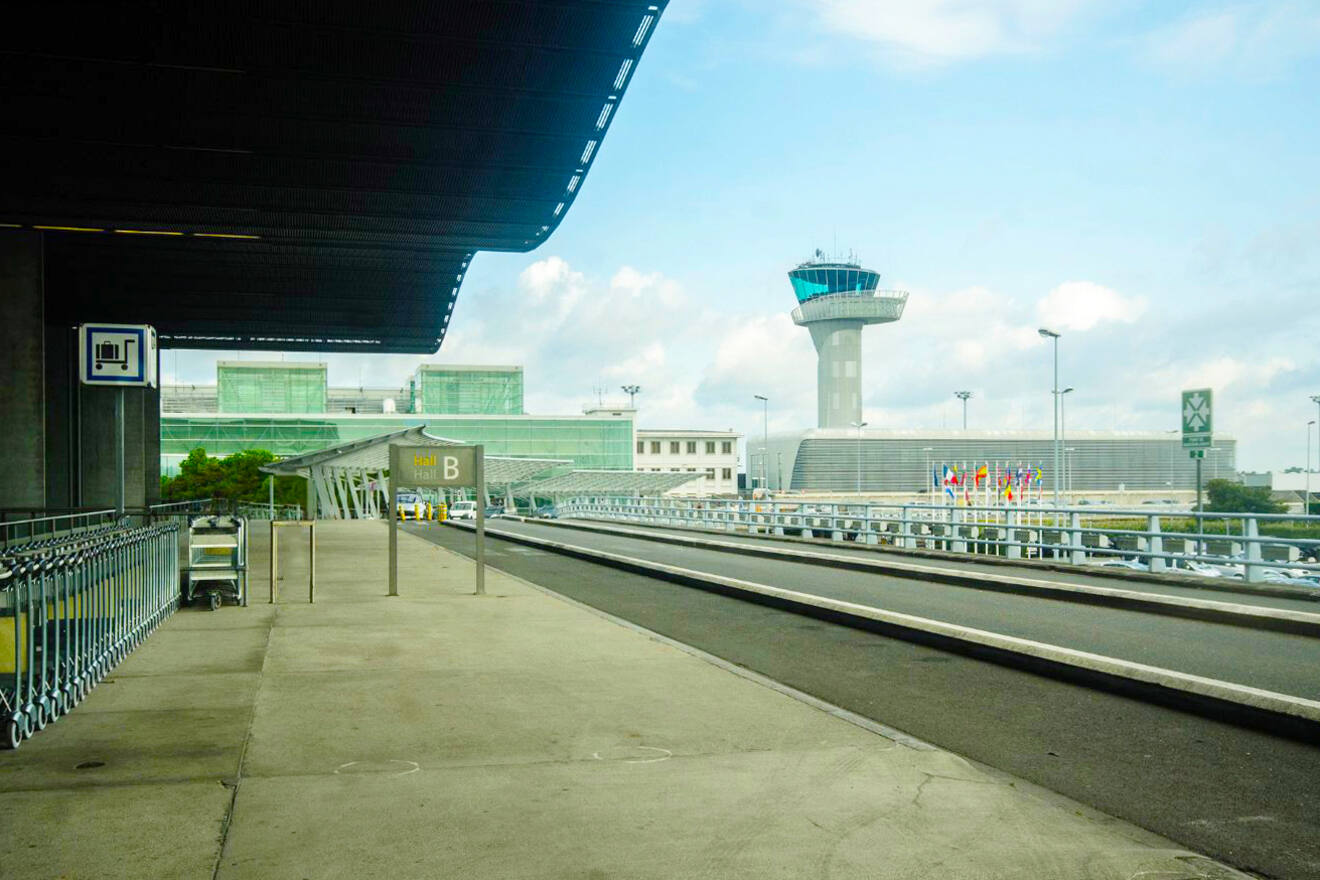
column 586, row 441
column 469, row 391
column 270, row 387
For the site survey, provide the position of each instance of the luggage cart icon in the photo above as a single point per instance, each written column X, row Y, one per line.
column 107, row 354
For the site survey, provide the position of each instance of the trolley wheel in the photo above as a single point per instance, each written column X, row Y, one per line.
column 56, row 708
column 214, row 599
column 13, row 734
column 65, row 701
column 37, row 721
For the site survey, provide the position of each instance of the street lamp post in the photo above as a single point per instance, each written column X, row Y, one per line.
column 765, row 436
column 1068, row 468
column 963, row 395
column 1063, row 436
column 1050, row 334
column 1306, row 503
column 859, row 426
column 1315, row 398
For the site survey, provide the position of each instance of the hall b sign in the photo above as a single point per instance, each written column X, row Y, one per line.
column 417, row 467
column 438, row 467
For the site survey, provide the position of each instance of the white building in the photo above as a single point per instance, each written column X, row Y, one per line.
column 712, row 454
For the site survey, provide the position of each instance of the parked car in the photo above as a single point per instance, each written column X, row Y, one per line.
column 494, row 510
column 546, row 511
column 463, row 510
column 1123, row 563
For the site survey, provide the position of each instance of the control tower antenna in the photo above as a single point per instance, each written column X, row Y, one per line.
column 836, row 299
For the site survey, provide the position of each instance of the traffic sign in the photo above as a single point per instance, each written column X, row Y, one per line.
column 117, row 354
column 1197, row 418
column 1196, row 453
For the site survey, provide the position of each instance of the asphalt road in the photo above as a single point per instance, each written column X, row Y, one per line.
column 1247, row 798
column 1273, row 661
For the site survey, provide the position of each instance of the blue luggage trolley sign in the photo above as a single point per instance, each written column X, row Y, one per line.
column 117, row 354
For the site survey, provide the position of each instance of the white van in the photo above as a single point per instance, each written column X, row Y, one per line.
column 410, row 506
column 463, row 510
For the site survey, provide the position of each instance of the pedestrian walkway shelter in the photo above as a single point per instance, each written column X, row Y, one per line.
column 349, row 481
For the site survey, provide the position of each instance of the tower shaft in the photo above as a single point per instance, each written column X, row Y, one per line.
column 838, row 372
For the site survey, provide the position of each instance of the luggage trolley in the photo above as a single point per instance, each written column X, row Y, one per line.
column 217, row 559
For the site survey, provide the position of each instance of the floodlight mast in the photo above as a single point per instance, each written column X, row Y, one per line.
column 632, row 391
column 1046, row 333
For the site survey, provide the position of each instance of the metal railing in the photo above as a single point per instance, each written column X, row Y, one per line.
column 71, row 609
column 257, row 510
column 1253, row 547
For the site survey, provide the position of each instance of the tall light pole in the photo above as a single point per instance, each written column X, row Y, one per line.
column 1050, row 334
column 963, row 395
column 1315, row 398
column 859, row 426
column 1306, row 504
column 631, row 391
column 1063, row 436
column 765, row 441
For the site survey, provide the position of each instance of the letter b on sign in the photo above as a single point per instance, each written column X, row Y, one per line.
column 451, row 468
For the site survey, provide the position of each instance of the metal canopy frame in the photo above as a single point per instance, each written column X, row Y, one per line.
column 348, row 481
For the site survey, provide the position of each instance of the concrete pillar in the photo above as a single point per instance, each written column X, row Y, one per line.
column 22, row 384
column 61, row 417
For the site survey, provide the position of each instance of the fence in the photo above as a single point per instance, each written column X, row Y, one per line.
column 1253, row 547
column 71, row 608
column 253, row 510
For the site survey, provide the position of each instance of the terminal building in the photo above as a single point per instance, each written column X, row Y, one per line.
column 290, row 409
column 830, row 460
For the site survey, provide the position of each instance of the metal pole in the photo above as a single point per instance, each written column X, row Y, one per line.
column 481, row 520
column 1056, row 422
column 1200, row 522
column 119, row 451
column 271, row 477
column 1306, row 503
column 765, row 439
column 394, row 522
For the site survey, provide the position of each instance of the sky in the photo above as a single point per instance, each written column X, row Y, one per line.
column 1142, row 177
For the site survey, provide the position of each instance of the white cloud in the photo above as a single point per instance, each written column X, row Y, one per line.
column 942, row 31
column 1083, row 305
column 1256, row 39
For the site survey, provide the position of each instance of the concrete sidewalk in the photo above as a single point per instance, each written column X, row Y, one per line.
column 515, row 735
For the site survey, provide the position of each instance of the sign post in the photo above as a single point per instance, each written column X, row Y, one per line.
column 117, row 356
column 1197, row 436
column 437, row 467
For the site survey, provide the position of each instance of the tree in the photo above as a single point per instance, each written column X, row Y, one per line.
column 234, row 478
column 1227, row 496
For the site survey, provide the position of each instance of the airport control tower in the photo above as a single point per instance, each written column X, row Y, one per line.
column 836, row 298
